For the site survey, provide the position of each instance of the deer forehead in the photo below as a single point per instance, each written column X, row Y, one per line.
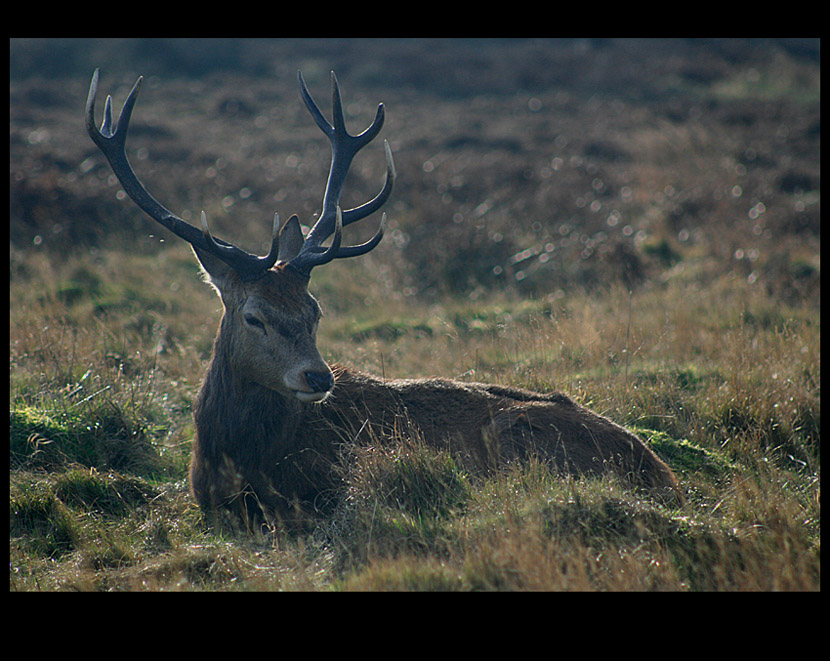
column 281, row 294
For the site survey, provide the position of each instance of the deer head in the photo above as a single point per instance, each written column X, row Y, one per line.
column 270, row 321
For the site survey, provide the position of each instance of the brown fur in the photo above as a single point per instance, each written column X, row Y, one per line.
column 263, row 454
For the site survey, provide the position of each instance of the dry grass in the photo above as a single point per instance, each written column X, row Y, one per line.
column 100, row 432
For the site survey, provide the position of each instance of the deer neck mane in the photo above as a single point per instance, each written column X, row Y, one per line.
column 234, row 409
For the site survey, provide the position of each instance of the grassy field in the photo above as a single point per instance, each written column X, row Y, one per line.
column 633, row 223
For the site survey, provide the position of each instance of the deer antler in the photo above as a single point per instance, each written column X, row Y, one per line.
column 343, row 149
column 111, row 140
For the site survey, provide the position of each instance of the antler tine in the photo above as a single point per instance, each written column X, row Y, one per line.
column 111, row 140
column 311, row 256
column 344, row 147
column 220, row 248
column 379, row 200
column 363, row 248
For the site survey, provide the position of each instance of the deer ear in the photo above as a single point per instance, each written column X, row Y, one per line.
column 214, row 270
column 291, row 239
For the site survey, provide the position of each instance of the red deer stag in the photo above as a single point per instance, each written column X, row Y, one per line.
column 272, row 417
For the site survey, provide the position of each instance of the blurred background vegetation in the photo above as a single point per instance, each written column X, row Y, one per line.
column 533, row 165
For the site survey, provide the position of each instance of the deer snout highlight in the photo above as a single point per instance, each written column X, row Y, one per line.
column 320, row 381
column 319, row 384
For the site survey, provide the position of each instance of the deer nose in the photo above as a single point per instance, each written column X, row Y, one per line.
column 320, row 381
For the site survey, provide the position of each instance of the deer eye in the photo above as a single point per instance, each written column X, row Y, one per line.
column 251, row 320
